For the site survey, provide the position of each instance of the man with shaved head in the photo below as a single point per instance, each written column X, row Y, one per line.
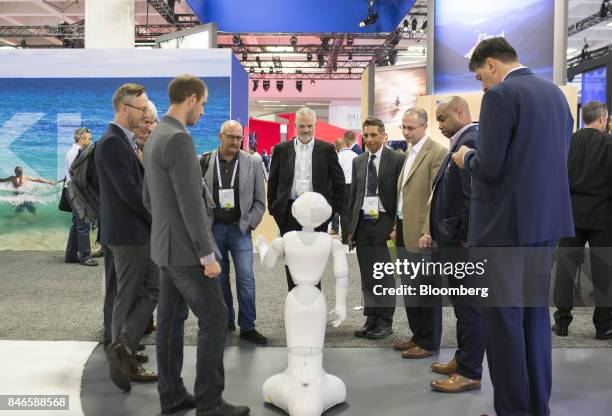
column 236, row 182
column 449, row 218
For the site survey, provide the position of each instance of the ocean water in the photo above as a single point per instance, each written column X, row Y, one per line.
column 38, row 118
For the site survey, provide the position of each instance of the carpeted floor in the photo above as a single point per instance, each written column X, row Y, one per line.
column 45, row 299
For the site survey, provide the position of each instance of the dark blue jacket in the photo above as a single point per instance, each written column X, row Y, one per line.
column 450, row 203
column 124, row 220
column 520, row 191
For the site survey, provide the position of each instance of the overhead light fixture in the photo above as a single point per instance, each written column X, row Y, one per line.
column 266, row 84
column 262, row 72
column 271, row 70
column 350, row 56
column 312, row 82
column 424, row 26
column 293, row 40
column 279, row 85
column 325, row 44
column 371, row 18
column 309, row 57
column 255, row 84
column 349, row 40
column 392, row 56
column 298, row 71
column 258, row 60
column 236, row 39
column 23, row 43
column 298, row 85
column 350, row 71
column 244, row 56
column 321, row 60
column 252, row 70
column 414, row 24
column 405, row 25
column 335, row 66
column 605, row 8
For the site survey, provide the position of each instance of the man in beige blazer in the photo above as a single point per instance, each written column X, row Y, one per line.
column 423, row 160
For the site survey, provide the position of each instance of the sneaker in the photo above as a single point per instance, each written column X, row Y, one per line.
column 88, row 261
column 332, row 232
column 98, row 254
column 254, row 337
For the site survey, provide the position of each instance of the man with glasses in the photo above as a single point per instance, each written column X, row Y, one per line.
column 423, row 160
column 125, row 227
column 236, row 181
column 78, row 249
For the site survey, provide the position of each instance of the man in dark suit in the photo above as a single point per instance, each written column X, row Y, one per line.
column 304, row 164
column 590, row 177
column 351, row 142
column 372, row 205
column 449, row 219
column 182, row 245
column 125, row 229
column 519, row 207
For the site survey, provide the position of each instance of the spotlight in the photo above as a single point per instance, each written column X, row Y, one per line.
column 236, row 39
column 424, row 26
column 309, row 57
column 350, row 41
column 258, row 60
column 371, row 18
column 271, row 70
column 603, row 11
column 298, row 85
column 298, row 71
column 335, row 66
column 312, row 82
column 23, row 44
column 255, row 84
column 266, row 84
column 279, row 85
column 405, row 25
column 252, row 70
column 350, row 56
column 321, row 60
column 244, row 56
column 262, row 72
column 293, row 40
column 414, row 24
column 350, row 71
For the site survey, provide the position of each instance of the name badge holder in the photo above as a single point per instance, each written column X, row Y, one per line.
column 371, row 210
column 226, row 196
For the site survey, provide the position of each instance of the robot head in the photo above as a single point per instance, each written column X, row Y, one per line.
column 311, row 210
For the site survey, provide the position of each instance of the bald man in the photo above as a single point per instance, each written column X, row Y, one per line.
column 236, row 182
column 450, row 208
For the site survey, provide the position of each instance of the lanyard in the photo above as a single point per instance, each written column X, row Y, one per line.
column 219, row 172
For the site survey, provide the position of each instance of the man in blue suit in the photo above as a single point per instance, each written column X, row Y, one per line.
column 449, row 225
column 520, row 204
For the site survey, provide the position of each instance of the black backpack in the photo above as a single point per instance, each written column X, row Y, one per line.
column 83, row 188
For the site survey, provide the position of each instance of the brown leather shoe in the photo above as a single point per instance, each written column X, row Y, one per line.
column 139, row 374
column 445, row 368
column 403, row 345
column 416, row 352
column 455, row 383
column 119, row 365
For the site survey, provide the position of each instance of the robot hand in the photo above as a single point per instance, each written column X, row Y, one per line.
column 340, row 315
column 262, row 245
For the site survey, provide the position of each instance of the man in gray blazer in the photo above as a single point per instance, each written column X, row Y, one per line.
column 182, row 246
column 235, row 180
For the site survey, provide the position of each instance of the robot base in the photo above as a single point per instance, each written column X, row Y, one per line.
column 304, row 388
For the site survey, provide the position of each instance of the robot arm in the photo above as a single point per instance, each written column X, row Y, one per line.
column 268, row 255
column 341, row 275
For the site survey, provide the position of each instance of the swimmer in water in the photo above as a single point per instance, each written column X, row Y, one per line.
column 19, row 180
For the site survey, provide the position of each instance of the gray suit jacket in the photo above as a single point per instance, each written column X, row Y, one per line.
column 180, row 232
column 251, row 192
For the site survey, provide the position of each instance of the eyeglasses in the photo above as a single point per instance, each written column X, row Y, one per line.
column 410, row 128
column 232, row 137
column 143, row 109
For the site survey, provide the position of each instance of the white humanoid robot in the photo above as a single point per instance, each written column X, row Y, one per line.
column 304, row 388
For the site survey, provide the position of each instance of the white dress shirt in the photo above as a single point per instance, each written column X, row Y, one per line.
column 377, row 164
column 412, row 151
column 345, row 157
column 303, row 165
column 70, row 156
column 456, row 136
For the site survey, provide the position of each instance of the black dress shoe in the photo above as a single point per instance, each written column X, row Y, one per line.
column 368, row 326
column 559, row 330
column 72, row 259
column 254, row 337
column 224, row 409
column 119, row 366
column 604, row 335
column 141, row 357
column 379, row 332
column 187, row 403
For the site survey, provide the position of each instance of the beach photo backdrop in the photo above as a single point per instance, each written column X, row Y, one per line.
column 47, row 96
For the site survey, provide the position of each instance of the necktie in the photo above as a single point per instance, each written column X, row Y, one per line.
column 372, row 178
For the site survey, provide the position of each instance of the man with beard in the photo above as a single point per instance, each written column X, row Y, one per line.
column 125, row 226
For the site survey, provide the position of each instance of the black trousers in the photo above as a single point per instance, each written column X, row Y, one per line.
column 569, row 255
column 424, row 313
column 371, row 242
column 291, row 224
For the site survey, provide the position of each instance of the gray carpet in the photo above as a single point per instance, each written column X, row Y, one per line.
column 45, row 299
